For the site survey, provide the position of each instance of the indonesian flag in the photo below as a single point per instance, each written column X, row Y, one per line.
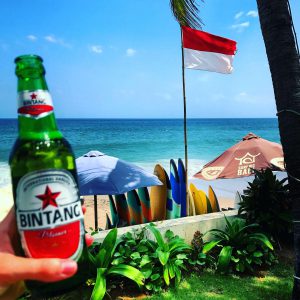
column 205, row 51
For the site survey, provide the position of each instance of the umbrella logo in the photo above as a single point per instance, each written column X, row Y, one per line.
column 211, row 173
column 278, row 162
column 246, row 164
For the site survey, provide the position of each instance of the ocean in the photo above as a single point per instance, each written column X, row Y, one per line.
column 147, row 142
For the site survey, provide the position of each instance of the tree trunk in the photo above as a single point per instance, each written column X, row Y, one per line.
column 276, row 26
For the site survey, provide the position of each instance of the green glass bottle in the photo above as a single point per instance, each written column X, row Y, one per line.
column 48, row 209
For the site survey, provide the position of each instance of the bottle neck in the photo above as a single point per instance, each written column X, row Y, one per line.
column 36, row 117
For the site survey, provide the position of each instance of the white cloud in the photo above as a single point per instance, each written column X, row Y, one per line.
column 31, row 37
column 51, row 39
column 55, row 40
column 238, row 15
column 244, row 97
column 241, row 26
column 96, row 49
column 252, row 13
column 130, row 52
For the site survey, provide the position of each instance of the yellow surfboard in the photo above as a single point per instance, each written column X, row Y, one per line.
column 213, row 200
column 158, row 196
column 191, row 211
column 199, row 198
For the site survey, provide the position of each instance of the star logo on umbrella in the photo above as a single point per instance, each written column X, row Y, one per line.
column 48, row 198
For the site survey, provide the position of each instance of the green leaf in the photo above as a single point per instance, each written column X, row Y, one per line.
column 240, row 267
column 157, row 236
column 208, row 246
column 260, row 237
column 181, row 256
column 224, row 259
column 117, row 261
column 171, row 268
column 129, row 272
column 142, row 248
column 135, row 255
column 100, row 285
column 145, row 260
column 154, row 276
column 166, row 275
column 169, row 234
column 163, row 256
column 257, row 254
column 147, row 271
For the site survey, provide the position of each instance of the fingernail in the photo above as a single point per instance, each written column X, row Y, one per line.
column 68, row 267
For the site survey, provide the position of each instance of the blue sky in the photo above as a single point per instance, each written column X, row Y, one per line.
column 122, row 59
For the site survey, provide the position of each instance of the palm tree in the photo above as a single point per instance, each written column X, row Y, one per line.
column 283, row 56
column 282, row 51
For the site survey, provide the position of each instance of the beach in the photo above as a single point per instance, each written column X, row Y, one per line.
column 147, row 142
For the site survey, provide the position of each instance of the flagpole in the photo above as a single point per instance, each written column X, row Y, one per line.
column 184, row 124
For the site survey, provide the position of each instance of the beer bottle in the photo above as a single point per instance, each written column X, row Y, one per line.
column 47, row 205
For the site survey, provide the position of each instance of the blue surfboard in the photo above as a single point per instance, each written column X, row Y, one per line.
column 113, row 212
column 182, row 184
column 169, row 214
column 175, row 185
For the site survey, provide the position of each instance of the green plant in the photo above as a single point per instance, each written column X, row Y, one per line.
column 240, row 248
column 197, row 259
column 103, row 263
column 171, row 254
column 266, row 201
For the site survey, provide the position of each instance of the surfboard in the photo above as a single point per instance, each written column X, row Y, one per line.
column 213, row 200
column 134, row 207
column 122, row 209
column 175, row 185
column 238, row 199
column 182, row 184
column 145, row 203
column 169, row 198
column 113, row 212
column 198, row 197
column 192, row 211
column 108, row 224
column 158, row 195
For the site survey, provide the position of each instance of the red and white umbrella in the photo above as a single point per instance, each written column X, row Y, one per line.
column 253, row 152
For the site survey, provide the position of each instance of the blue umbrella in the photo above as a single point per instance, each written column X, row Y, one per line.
column 100, row 174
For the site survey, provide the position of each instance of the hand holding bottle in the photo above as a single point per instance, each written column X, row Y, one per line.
column 14, row 269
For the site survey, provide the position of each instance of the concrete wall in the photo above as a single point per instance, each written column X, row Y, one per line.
column 183, row 227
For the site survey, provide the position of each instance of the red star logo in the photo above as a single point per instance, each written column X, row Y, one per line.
column 33, row 96
column 48, row 198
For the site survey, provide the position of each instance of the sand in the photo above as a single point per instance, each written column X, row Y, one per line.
column 103, row 209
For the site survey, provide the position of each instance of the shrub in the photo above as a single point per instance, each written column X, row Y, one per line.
column 239, row 248
column 103, row 263
column 266, row 201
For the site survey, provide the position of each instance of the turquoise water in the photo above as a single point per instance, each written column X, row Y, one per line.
column 148, row 141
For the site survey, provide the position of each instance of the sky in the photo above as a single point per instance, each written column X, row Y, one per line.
column 122, row 59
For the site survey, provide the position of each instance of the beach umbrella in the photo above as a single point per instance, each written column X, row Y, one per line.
column 100, row 174
column 253, row 152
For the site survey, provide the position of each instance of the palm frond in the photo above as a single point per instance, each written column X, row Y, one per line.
column 186, row 13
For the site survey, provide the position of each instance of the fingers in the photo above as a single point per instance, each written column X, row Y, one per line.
column 14, row 268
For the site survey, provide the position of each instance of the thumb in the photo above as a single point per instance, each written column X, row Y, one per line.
column 14, row 268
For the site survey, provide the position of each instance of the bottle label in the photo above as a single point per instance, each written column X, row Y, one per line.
column 35, row 104
column 49, row 215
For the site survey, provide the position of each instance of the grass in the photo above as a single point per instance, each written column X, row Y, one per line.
column 275, row 284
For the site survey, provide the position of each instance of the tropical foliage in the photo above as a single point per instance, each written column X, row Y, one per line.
column 171, row 254
column 266, row 201
column 103, row 263
column 239, row 247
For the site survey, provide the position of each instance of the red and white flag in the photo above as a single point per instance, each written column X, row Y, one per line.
column 205, row 51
